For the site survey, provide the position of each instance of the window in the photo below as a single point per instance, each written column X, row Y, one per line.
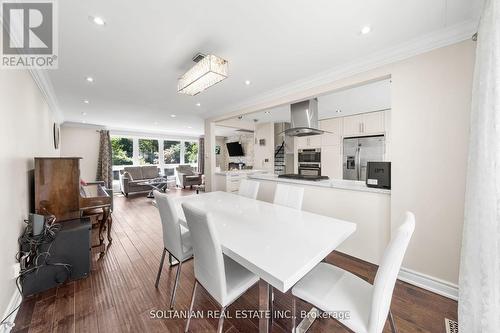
column 148, row 151
column 191, row 152
column 122, row 151
column 172, row 152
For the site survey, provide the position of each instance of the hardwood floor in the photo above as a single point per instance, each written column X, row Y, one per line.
column 120, row 293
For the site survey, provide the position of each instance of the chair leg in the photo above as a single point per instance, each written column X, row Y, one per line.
column 294, row 314
column 172, row 299
column 221, row 320
column 191, row 306
column 391, row 321
column 161, row 267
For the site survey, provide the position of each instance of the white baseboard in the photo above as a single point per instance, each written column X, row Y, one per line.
column 15, row 300
column 430, row 283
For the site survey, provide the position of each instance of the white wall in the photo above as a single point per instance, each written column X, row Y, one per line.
column 26, row 132
column 81, row 142
column 261, row 153
column 431, row 95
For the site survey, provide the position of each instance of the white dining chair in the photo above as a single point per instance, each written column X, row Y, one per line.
column 331, row 289
column 289, row 196
column 176, row 239
column 249, row 188
column 224, row 279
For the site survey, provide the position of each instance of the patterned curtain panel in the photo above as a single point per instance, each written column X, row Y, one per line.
column 105, row 164
column 201, row 156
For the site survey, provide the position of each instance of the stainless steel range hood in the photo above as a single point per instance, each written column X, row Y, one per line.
column 304, row 119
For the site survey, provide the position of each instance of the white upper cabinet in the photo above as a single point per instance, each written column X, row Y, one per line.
column 364, row 124
column 313, row 141
column 334, row 127
column 374, row 123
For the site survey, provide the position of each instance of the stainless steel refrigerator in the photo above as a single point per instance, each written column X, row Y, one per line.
column 358, row 152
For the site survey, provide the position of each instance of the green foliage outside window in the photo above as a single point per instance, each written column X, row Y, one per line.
column 172, row 152
column 191, row 152
column 148, row 151
column 122, row 151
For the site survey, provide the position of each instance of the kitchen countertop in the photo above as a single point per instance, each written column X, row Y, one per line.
column 237, row 172
column 331, row 183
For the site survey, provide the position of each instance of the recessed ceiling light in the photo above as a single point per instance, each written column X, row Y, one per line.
column 366, row 30
column 190, row 127
column 84, row 113
column 173, row 115
column 98, row 20
column 89, row 79
column 198, row 104
column 247, row 82
column 86, row 101
column 84, row 122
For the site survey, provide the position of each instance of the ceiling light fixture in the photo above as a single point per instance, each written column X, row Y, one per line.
column 338, row 111
column 208, row 70
column 268, row 112
column 190, row 127
column 173, row 115
column 198, row 104
column 89, row 79
column 366, row 30
column 98, row 20
column 247, row 82
column 86, row 101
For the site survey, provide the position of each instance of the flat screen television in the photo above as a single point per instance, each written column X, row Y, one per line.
column 234, row 149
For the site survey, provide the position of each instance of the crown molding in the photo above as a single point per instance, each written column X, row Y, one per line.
column 130, row 132
column 43, row 83
column 438, row 39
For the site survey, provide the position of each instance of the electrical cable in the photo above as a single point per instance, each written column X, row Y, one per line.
column 29, row 253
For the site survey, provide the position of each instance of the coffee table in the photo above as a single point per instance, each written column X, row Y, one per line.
column 159, row 184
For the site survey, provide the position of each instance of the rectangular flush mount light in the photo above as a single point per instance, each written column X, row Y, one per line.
column 207, row 72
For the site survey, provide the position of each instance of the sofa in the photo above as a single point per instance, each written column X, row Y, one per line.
column 130, row 177
column 186, row 176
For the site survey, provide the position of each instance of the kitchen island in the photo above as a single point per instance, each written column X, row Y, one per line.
column 229, row 181
column 369, row 208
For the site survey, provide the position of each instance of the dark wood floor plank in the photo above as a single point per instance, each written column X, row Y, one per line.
column 120, row 294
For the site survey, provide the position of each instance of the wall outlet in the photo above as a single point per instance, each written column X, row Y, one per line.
column 16, row 270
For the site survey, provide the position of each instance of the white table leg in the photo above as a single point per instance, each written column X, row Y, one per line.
column 264, row 320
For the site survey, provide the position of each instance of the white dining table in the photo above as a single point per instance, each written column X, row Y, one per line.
column 278, row 244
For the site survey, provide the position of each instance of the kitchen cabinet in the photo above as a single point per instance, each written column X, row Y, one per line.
column 309, row 142
column 334, row 127
column 364, row 124
column 331, row 161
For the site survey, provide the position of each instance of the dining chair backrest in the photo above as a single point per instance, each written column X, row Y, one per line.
column 208, row 260
column 289, row 196
column 169, row 224
column 387, row 274
column 249, row 188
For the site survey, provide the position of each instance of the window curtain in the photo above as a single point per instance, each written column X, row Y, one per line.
column 104, row 163
column 201, row 156
column 479, row 282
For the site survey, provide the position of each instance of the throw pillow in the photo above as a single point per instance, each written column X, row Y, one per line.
column 128, row 175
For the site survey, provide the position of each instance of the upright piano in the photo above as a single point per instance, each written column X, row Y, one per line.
column 59, row 192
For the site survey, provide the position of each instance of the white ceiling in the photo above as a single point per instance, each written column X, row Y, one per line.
column 146, row 45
